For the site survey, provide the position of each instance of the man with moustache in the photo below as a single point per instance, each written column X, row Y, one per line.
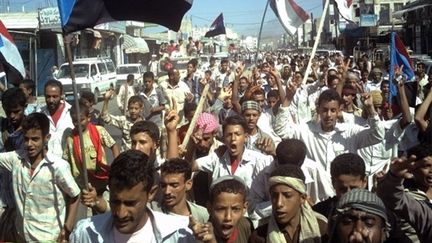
column 57, row 111
column 131, row 186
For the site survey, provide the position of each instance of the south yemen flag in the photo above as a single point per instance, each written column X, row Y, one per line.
column 217, row 27
column 81, row 14
column 10, row 57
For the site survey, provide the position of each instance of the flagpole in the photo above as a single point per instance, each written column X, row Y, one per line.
column 67, row 41
column 317, row 40
column 260, row 31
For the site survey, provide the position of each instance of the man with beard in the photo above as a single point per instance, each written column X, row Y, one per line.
column 130, row 220
column 57, row 111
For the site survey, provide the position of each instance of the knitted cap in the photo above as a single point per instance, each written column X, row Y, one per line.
column 207, row 122
column 250, row 104
column 363, row 200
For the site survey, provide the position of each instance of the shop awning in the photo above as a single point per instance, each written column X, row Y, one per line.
column 134, row 45
column 410, row 8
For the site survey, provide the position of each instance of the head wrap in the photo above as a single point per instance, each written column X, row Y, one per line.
column 207, row 122
column 250, row 105
column 359, row 199
column 363, row 200
column 309, row 228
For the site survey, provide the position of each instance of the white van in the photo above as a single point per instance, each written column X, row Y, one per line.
column 96, row 75
column 124, row 70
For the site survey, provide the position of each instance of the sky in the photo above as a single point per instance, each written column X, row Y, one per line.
column 244, row 16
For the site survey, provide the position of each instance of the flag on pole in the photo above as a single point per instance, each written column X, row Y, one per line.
column 80, row 14
column 291, row 15
column 399, row 56
column 217, row 27
column 345, row 8
column 10, row 57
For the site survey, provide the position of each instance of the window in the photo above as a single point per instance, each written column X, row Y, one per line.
column 397, row 6
column 102, row 68
column 110, row 66
column 384, row 14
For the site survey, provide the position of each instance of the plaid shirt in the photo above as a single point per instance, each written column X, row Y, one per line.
column 124, row 124
column 40, row 197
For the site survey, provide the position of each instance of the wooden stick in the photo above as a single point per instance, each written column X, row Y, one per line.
column 195, row 117
column 76, row 99
column 317, row 40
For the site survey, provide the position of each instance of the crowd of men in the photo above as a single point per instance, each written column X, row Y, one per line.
column 270, row 158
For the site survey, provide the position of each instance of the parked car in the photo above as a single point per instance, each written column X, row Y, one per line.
column 124, row 70
column 96, row 75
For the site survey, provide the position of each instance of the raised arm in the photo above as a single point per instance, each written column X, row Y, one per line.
column 420, row 115
column 235, row 98
column 406, row 114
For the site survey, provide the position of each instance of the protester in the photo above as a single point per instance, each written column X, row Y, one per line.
column 347, row 172
column 175, row 183
column 360, row 216
column 292, row 219
column 89, row 100
column 57, row 111
column 124, row 123
column 12, row 139
column 227, row 208
column 154, row 96
column 95, row 138
column 131, row 188
column 391, row 190
column 327, row 138
column 126, row 91
column 45, row 192
column 28, row 86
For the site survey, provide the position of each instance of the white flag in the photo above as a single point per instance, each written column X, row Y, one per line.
column 345, row 8
column 291, row 15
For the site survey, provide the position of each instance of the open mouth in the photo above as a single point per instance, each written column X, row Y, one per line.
column 227, row 230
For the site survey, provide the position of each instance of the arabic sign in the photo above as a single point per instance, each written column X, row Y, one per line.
column 49, row 18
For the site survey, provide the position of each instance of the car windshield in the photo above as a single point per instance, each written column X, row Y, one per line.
column 81, row 70
column 127, row 70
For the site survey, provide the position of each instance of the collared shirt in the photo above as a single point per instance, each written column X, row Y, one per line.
column 378, row 155
column 55, row 144
column 122, row 103
column 178, row 92
column 124, row 124
column 198, row 212
column 252, row 139
column 90, row 154
column 156, row 99
column 100, row 228
column 251, row 164
column 40, row 196
column 322, row 146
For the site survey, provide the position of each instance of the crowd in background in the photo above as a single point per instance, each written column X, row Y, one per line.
column 343, row 155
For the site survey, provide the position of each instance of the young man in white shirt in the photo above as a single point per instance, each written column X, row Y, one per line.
column 232, row 159
column 326, row 138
